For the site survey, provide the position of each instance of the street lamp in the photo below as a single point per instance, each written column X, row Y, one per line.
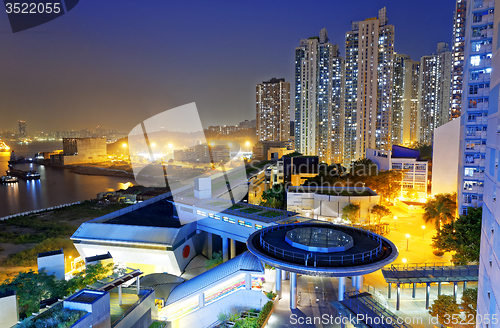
column 248, row 145
column 423, row 232
column 395, row 222
column 407, row 239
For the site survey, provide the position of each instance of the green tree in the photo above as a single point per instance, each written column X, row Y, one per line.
column 380, row 212
column 387, row 184
column 214, row 261
column 412, row 194
column 274, row 197
column 440, row 209
column 351, row 212
column 469, row 301
column 462, row 236
column 443, row 308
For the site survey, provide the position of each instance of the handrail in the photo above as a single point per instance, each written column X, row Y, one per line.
column 375, row 307
column 319, row 260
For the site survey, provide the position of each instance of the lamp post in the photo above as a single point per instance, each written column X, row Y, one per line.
column 395, row 222
column 423, row 232
column 407, row 239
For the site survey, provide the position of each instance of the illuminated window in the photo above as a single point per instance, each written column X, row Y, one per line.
column 225, row 219
column 211, row 215
column 258, row 226
column 241, row 222
column 248, row 224
column 217, row 217
column 201, row 213
column 231, row 220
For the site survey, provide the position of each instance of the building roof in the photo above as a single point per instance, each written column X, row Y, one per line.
column 243, row 262
column 145, row 235
column 44, row 254
column 162, row 283
column 157, row 214
column 98, row 257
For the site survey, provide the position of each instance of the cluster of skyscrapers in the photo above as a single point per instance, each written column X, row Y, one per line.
column 375, row 98
column 372, row 98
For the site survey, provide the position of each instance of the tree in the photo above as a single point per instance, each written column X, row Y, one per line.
column 412, row 194
column 351, row 212
column 32, row 287
column 443, row 308
column 462, row 236
column 469, row 302
column 214, row 261
column 441, row 209
column 274, row 197
column 380, row 212
column 387, row 184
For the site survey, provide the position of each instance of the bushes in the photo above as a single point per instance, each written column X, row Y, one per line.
column 271, row 295
column 214, row 261
column 266, row 309
column 437, row 252
column 56, row 317
column 28, row 257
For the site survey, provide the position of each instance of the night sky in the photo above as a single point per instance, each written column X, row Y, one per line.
column 115, row 63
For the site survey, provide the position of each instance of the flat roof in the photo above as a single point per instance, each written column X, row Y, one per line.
column 86, row 296
column 158, row 214
column 241, row 209
column 44, row 254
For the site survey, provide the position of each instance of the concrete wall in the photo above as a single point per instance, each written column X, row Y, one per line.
column 99, row 311
column 141, row 315
column 445, row 158
column 242, row 299
column 8, row 313
column 52, row 264
column 331, row 206
column 89, row 150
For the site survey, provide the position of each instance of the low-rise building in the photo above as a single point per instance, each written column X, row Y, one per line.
column 404, row 159
column 81, row 151
column 328, row 202
column 203, row 154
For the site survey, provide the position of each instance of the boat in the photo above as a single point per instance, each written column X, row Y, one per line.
column 3, row 147
column 25, row 175
column 8, row 179
column 17, row 159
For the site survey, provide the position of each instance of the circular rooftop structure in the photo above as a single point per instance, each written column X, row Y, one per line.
column 319, row 239
column 322, row 249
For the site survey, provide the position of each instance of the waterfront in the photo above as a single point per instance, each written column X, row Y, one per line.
column 56, row 185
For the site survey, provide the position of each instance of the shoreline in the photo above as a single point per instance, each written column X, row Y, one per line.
column 91, row 170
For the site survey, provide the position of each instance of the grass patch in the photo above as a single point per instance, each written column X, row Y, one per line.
column 158, row 324
column 250, row 210
column 217, row 203
column 235, row 207
column 270, row 214
column 58, row 316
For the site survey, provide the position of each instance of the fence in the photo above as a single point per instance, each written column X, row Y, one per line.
column 320, row 260
column 38, row 211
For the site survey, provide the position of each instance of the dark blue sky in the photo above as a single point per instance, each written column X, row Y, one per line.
column 115, row 63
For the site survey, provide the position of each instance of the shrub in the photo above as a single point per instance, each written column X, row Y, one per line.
column 437, row 252
column 271, row 295
column 214, row 261
column 266, row 309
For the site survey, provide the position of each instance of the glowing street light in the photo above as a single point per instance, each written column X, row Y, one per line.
column 423, row 232
column 407, row 239
column 124, row 145
column 170, row 145
column 248, row 145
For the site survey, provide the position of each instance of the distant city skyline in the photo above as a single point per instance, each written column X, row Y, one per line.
column 97, row 65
